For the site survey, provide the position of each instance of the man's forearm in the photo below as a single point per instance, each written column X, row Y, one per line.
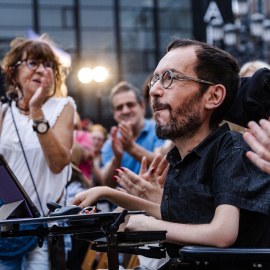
column 132, row 203
column 222, row 231
column 137, row 152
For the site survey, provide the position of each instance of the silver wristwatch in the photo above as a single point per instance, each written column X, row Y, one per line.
column 41, row 126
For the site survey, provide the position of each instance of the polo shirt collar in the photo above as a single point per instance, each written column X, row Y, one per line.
column 145, row 129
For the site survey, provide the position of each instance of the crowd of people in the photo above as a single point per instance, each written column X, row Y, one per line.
column 194, row 177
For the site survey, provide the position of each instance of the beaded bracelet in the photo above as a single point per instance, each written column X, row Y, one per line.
column 88, row 210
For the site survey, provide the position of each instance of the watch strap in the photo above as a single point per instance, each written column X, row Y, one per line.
column 41, row 120
column 37, row 122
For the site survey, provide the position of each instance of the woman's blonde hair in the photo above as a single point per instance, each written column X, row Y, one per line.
column 252, row 66
column 100, row 128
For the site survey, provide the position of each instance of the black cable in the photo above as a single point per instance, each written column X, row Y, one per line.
column 65, row 203
column 26, row 160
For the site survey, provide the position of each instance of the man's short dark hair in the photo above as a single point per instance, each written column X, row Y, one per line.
column 124, row 87
column 217, row 66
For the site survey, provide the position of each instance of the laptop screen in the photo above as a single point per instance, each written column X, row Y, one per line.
column 11, row 190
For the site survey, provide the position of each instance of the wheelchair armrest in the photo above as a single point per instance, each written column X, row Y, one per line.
column 191, row 253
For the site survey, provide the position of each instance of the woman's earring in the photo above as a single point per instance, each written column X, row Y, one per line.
column 18, row 88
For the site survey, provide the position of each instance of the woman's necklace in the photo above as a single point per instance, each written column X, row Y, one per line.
column 23, row 110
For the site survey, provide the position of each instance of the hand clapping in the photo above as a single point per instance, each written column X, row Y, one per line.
column 258, row 138
column 148, row 185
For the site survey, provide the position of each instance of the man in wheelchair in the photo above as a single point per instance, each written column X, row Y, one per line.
column 213, row 194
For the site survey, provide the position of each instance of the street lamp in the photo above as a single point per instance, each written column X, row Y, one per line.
column 266, row 27
column 85, row 75
column 247, row 38
column 98, row 74
column 256, row 25
column 230, row 34
column 240, row 7
column 217, row 30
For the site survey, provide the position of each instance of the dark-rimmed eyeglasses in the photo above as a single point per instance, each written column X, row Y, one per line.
column 33, row 64
column 167, row 77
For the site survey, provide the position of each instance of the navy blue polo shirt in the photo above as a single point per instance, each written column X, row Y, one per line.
column 218, row 172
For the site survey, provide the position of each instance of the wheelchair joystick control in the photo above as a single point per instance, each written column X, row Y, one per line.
column 115, row 226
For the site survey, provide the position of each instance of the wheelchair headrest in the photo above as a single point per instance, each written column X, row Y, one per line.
column 252, row 101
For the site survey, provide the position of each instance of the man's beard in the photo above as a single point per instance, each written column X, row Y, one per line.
column 184, row 122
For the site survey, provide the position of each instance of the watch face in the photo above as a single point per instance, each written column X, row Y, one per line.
column 42, row 127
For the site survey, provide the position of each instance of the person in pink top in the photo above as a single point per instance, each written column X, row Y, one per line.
column 84, row 139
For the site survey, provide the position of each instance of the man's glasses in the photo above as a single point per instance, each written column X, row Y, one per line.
column 34, row 64
column 167, row 77
column 128, row 104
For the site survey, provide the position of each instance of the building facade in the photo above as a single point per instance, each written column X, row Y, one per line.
column 126, row 37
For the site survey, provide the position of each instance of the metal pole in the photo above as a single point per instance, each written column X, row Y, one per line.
column 118, row 41
column 99, row 105
column 156, row 30
column 259, row 7
column 77, row 30
column 35, row 16
column 78, row 52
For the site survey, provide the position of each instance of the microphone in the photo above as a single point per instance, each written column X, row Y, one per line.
column 4, row 99
column 8, row 98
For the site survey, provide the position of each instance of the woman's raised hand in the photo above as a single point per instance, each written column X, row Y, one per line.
column 258, row 138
